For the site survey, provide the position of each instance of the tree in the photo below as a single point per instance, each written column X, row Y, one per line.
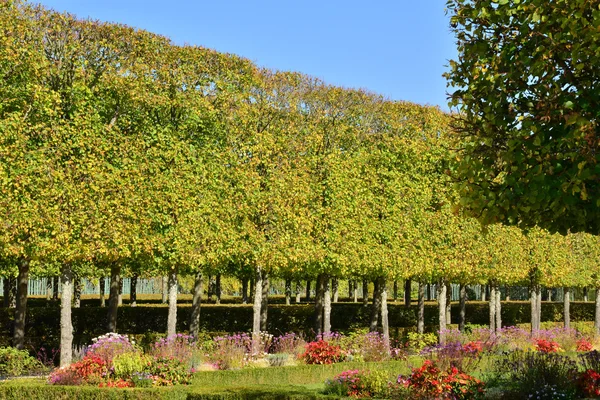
column 526, row 88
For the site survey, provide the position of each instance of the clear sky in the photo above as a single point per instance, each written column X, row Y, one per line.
column 398, row 48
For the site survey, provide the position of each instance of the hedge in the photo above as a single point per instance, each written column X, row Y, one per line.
column 43, row 391
column 42, row 327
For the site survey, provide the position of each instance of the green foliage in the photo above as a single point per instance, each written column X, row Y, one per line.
column 15, row 362
column 526, row 93
column 124, row 365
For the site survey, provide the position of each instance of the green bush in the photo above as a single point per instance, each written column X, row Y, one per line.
column 15, row 362
column 49, row 392
column 126, row 364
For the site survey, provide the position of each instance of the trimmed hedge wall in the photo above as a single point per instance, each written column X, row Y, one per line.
column 43, row 391
column 43, row 322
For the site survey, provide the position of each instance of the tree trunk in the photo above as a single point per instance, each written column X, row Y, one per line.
column 355, row 290
column 597, row 314
column 335, row 289
column 288, row 292
column 307, row 290
column 448, row 304
column 298, row 292
column 428, row 294
column 395, row 291
column 55, row 288
column 549, row 295
column 172, row 317
column 21, row 306
column 218, row 288
column 483, row 290
column 165, row 293
column 211, row 288
column 76, row 291
column 326, row 305
column 492, row 308
column 365, row 292
column 441, row 295
column 350, row 288
column 507, row 289
column 319, row 304
column 498, row 310
column 536, row 303
column 252, row 288
column 102, row 284
column 244, row 291
column 421, row 309
column 463, row 307
column 385, row 325
column 113, row 298
column 258, row 285
column 567, row 307
column 264, row 305
column 375, row 306
column 66, row 325
column 196, row 305
column 585, row 294
column 407, row 289
column 48, row 289
column 121, row 292
column 133, row 290
column 7, row 285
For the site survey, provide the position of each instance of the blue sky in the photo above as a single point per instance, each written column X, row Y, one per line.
column 398, row 48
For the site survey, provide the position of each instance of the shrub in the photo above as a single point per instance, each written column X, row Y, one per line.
column 588, row 383
column 109, row 346
column 180, row 346
column 546, row 346
column 92, row 369
column 141, row 379
column 322, row 352
column 454, row 355
column 583, row 345
column 431, row 382
column 290, row 343
column 357, row 383
column 117, row 383
column 169, row 371
column 590, row 360
column 417, row 342
column 126, row 364
column 526, row 374
column 65, row 376
column 14, row 362
column 231, row 352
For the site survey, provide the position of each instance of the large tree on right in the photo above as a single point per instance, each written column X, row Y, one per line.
column 526, row 86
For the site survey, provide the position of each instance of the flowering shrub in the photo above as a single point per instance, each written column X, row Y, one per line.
column 232, row 351
column 109, row 346
column 454, row 355
column 584, row 345
column 473, row 347
column 91, row 370
column 589, row 383
column 357, row 383
column 166, row 371
column 290, row 343
column 180, row 346
column 430, row 382
column 65, row 376
column 546, row 346
column 322, row 352
column 371, row 347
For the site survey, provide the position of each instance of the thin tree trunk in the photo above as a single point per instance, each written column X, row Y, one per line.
column 483, row 292
column 549, row 294
column 307, row 290
column 55, row 288
column 6, row 292
column 113, row 298
column 288, row 292
column 326, row 305
column 385, row 325
column 252, row 288
column 66, row 325
column 48, row 289
column 319, row 304
column 585, row 294
column 172, row 317
column 355, row 290
column 492, row 308
column 76, row 291
column 375, row 306
column 365, row 292
column 441, row 295
column 597, row 314
column 218, row 288
column 421, row 309
column 448, row 303
column 350, row 288
column 407, row 289
column 428, row 294
column 463, row 308
column 258, row 285
column 498, row 310
column 196, row 305
column 567, row 307
column 395, row 291
column 133, row 290
column 211, row 288
column 120, row 292
column 507, row 289
column 536, row 306
column 298, row 292
column 102, row 284
column 244, row 291
column 21, row 306
column 335, row 289
column 264, row 307
column 165, row 294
